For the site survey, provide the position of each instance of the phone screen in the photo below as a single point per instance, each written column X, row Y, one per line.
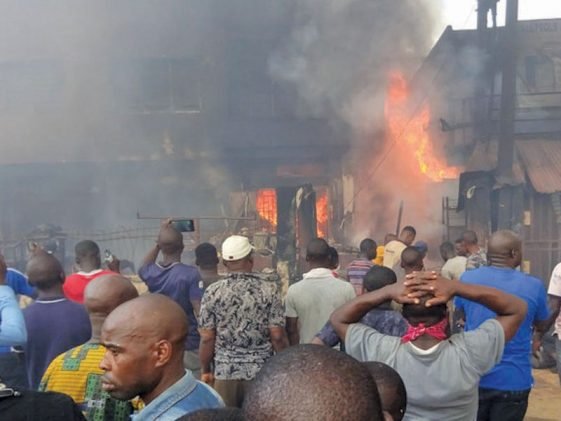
column 184, row 225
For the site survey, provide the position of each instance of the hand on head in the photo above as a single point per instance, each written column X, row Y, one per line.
column 421, row 284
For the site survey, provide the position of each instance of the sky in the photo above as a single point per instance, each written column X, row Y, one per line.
column 461, row 14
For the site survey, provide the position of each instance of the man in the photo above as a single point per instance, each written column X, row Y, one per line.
column 460, row 248
column 504, row 391
column 454, row 265
column 358, row 267
column 310, row 302
column 88, row 260
column 206, row 259
column 76, row 372
column 554, row 302
column 394, row 248
column 178, row 281
column 391, row 389
column 476, row 257
column 19, row 283
column 145, row 338
column 54, row 324
column 441, row 373
column 382, row 318
column 12, row 333
column 411, row 260
column 242, row 324
column 310, row 382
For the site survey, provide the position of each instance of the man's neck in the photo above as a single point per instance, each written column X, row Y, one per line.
column 313, row 266
column 96, row 321
column 168, row 380
column 88, row 267
column 425, row 342
column 171, row 258
column 50, row 293
column 500, row 263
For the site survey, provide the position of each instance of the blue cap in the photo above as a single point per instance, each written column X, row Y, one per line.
column 422, row 246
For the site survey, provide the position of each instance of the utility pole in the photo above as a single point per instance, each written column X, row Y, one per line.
column 508, row 92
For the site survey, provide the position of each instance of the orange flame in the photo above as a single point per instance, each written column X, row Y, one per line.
column 266, row 206
column 412, row 134
column 322, row 214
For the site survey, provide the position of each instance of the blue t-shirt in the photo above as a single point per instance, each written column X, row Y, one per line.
column 181, row 283
column 514, row 372
column 18, row 282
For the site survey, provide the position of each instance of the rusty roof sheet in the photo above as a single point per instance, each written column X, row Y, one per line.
column 542, row 163
column 484, row 158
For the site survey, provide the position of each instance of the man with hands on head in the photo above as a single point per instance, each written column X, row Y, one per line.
column 441, row 373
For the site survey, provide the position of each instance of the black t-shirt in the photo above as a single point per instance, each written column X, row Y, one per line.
column 44, row 406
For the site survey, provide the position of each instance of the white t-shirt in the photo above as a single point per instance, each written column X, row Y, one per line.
column 392, row 253
column 555, row 289
column 314, row 298
column 454, row 267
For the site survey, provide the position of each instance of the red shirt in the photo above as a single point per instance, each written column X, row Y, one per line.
column 75, row 284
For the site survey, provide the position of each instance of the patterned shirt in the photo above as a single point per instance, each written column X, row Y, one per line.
column 385, row 321
column 76, row 373
column 355, row 273
column 476, row 260
column 241, row 309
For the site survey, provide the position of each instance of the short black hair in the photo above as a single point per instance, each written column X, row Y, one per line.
column 206, row 255
column 317, row 250
column 447, row 250
column 366, row 245
column 312, row 382
column 391, row 388
column 409, row 228
column 378, row 277
column 333, row 258
column 421, row 311
column 86, row 249
column 214, row 414
column 411, row 257
column 470, row 237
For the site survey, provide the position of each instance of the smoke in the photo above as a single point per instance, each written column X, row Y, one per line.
column 339, row 53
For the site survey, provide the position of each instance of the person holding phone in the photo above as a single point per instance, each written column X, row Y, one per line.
column 178, row 281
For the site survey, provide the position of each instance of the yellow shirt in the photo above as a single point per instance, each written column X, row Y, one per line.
column 77, row 374
column 379, row 260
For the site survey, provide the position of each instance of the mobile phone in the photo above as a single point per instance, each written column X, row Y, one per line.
column 108, row 256
column 184, row 225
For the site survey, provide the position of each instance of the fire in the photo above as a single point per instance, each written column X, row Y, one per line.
column 412, row 134
column 322, row 214
column 266, row 206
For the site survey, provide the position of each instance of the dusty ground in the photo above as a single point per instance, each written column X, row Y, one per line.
column 545, row 399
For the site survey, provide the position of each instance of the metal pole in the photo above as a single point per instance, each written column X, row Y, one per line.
column 399, row 215
column 205, row 218
column 508, row 92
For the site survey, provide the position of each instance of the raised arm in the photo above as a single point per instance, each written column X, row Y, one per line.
column 355, row 310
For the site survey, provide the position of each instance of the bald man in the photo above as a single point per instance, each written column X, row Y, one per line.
column 76, row 372
column 503, row 392
column 144, row 339
column 182, row 283
column 54, row 324
column 311, row 382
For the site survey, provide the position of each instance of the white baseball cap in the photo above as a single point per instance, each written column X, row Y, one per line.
column 236, row 247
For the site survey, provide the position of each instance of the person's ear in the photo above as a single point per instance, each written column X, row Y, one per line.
column 163, row 351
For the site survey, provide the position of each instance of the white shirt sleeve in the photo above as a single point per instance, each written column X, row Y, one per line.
column 555, row 282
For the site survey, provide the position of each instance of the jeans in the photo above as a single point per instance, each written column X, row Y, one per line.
column 12, row 370
column 500, row 405
column 558, row 352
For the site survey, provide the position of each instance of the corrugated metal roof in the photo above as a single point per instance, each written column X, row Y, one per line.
column 484, row 158
column 542, row 163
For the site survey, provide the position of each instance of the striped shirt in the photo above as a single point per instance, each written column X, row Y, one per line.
column 356, row 271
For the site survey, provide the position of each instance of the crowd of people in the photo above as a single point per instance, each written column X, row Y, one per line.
column 384, row 338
